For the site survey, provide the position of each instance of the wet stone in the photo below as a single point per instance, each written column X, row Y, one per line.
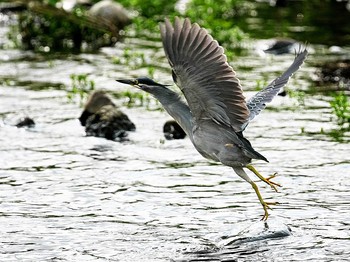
column 283, row 46
column 172, row 130
column 25, row 122
column 102, row 118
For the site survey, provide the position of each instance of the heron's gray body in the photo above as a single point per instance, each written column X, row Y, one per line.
column 211, row 139
column 217, row 143
column 215, row 113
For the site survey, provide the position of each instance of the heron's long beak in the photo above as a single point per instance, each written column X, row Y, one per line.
column 132, row 82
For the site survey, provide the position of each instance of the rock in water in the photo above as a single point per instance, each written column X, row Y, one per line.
column 283, row 46
column 25, row 122
column 102, row 118
column 172, row 130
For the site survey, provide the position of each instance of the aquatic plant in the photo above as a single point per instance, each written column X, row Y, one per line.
column 138, row 99
column 299, row 96
column 341, row 109
column 151, row 70
column 261, row 84
column 132, row 59
column 132, row 98
column 340, row 105
column 80, row 87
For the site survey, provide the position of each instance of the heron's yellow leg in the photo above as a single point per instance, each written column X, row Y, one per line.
column 266, row 180
column 266, row 205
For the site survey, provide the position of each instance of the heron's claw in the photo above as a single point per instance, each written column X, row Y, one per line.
column 271, row 183
column 272, row 176
column 266, row 180
column 266, row 206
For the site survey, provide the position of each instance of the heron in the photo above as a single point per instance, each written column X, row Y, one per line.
column 215, row 112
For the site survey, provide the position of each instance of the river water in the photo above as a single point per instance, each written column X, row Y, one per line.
column 68, row 197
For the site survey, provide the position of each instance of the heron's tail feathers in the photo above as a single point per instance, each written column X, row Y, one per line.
column 249, row 150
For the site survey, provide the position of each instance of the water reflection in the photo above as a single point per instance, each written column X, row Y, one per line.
column 300, row 20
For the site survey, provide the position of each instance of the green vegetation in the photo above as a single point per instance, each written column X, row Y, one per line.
column 149, row 14
column 260, row 84
column 49, row 30
column 44, row 33
column 340, row 105
column 150, row 9
column 131, row 58
column 299, row 96
column 134, row 98
column 138, row 99
column 221, row 19
column 81, row 87
column 43, row 27
column 341, row 109
column 134, row 60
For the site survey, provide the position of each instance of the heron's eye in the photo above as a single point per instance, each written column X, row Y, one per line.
column 136, row 82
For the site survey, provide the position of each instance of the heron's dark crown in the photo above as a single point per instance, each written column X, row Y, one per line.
column 147, row 81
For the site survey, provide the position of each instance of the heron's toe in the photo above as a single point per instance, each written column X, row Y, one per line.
column 274, row 185
column 266, row 206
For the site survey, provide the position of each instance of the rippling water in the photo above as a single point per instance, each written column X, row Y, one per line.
column 68, row 197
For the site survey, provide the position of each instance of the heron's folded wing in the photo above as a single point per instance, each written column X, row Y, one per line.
column 201, row 71
column 258, row 102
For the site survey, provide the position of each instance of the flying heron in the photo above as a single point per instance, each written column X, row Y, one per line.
column 216, row 113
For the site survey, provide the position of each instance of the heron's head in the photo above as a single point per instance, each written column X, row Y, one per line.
column 159, row 91
column 145, row 84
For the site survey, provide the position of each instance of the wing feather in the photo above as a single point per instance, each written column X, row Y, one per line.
column 258, row 102
column 201, row 71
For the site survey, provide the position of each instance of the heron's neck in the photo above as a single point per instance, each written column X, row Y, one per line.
column 177, row 108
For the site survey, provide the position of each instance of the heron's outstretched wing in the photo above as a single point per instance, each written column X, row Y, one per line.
column 258, row 102
column 201, row 71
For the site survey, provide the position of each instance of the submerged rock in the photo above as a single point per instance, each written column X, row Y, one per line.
column 172, row 130
column 25, row 122
column 102, row 118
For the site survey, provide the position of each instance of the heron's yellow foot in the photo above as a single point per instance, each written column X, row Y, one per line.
column 266, row 180
column 271, row 183
column 266, row 205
